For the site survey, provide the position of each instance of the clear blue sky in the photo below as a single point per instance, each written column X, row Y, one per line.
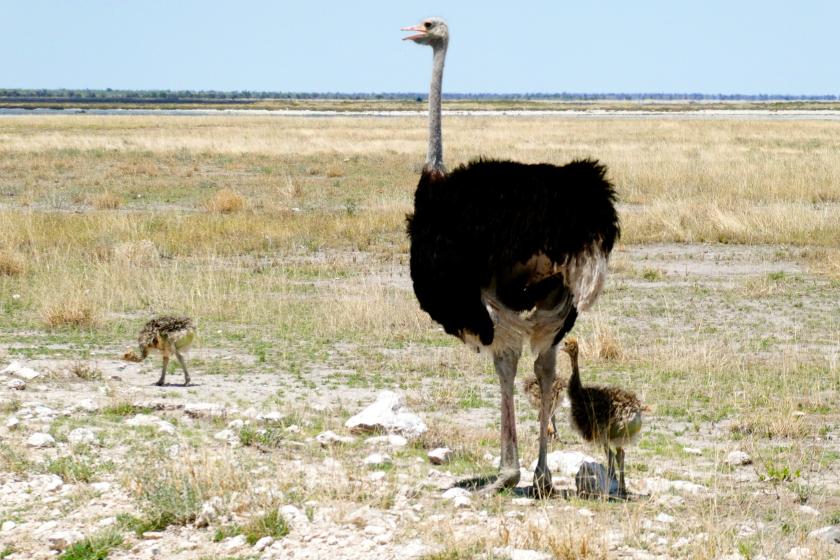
column 712, row 46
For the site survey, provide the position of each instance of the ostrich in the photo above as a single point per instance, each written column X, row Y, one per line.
column 169, row 335
column 531, row 388
column 606, row 415
column 505, row 252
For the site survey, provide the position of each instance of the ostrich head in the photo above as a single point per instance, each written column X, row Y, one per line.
column 431, row 31
column 570, row 347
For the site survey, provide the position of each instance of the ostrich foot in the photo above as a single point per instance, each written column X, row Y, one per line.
column 159, row 383
column 491, row 484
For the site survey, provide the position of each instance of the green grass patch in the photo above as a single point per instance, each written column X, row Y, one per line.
column 96, row 547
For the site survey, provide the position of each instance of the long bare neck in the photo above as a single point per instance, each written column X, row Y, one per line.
column 434, row 156
column 575, row 386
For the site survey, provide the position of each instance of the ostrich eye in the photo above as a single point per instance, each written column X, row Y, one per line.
column 427, row 24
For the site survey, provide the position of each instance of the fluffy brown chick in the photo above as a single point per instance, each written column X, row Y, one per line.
column 168, row 335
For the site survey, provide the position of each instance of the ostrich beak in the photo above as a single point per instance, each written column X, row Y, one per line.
column 419, row 28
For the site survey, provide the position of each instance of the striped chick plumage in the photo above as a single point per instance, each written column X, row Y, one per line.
column 168, row 334
column 609, row 416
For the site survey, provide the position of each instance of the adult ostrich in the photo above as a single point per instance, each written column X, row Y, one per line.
column 505, row 252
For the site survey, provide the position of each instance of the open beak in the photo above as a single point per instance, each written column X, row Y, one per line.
column 421, row 32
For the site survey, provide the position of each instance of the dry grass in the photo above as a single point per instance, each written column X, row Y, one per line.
column 11, row 263
column 107, row 201
column 225, row 201
column 76, row 313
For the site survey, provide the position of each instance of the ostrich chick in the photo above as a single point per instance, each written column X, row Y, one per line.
column 606, row 415
column 168, row 335
column 531, row 387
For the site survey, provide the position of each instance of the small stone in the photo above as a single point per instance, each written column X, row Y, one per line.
column 209, row 512
column 153, row 535
column 165, row 427
column 440, row 455
column 205, row 410
column 583, row 512
column 693, row 450
column 87, row 405
column 8, row 526
column 16, row 384
column 101, row 486
column 18, row 370
column 294, row 516
column 738, row 458
column 12, row 422
column 664, row 518
column 62, row 539
column 234, row 542
column 226, row 435
column 40, row 440
column 376, row 476
column 293, row 429
column 830, row 534
column 81, row 436
column 263, row 543
column 377, row 459
column 808, row 510
column 453, row 493
column 461, row 501
column 565, row 463
column 329, row 438
column 387, row 413
column 236, row 424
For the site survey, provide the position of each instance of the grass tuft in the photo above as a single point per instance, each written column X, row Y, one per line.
column 225, row 201
column 95, row 547
column 107, row 201
column 11, row 263
column 72, row 313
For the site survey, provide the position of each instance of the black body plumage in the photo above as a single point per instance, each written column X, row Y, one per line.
column 472, row 226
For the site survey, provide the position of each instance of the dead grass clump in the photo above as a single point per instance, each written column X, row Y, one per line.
column 771, row 425
column 602, row 343
column 137, row 253
column 225, row 201
column 107, row 201
column 85, row 371
column 334, row 172
column 11, row 263
column 70, row 313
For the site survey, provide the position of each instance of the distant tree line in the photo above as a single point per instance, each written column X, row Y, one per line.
column 212, row 96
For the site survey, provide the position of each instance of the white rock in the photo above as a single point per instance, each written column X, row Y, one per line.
column 228, row 436
column 81, row 435
column 664, row 518
column 87, row 405
column 51, row 482
column 453, row 493
column 583, row 512
column 273, row 416
column 263, row 543
column 738, row 458
column 153, row 535
column 236, row 424
column 565, row 463
column 693, row 450
column 16, row 384
column 387, row 413
column 829, row 534
column 808, row 510
column 375, row 459
column 165, row 427
column 329, row 438
column 18, row 370
column 376, row 476
column 62, row 539
column 593, row 481
column 8, row 526
column 799, row 553
column 462, row 501
column 209, row 512
column 295, row 517
column 142, row 420
column 12, row 422
column 394, row 440
column 40, row 440
column 234, row 542
column 440, row 455
column 293, row 429
column 101, row 486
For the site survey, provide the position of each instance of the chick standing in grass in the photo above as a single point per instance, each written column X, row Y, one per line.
column 531, row 387
column 169, row 335
column 606, row 415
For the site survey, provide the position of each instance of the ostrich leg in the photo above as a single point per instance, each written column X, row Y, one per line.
column 183, row 366
column 162, row 379
column 505, row 364
column 544, row 367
